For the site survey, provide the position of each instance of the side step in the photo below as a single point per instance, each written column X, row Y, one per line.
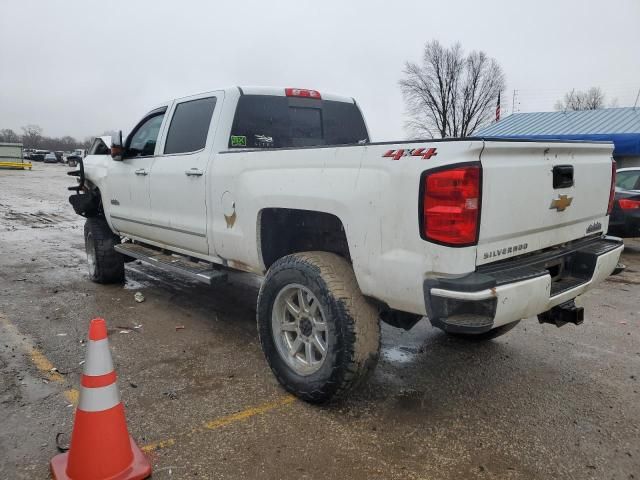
column 201, row 271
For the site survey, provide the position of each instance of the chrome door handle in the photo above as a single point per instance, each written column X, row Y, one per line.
column 141, row 171
column 194, row 172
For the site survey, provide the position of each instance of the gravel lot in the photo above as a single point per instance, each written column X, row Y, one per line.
column 538, row 403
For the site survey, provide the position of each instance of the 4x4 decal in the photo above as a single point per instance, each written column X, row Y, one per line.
column 425, row 153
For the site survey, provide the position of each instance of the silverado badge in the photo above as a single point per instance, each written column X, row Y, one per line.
column 561, row 203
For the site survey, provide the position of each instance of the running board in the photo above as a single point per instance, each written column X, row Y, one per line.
column 201, row 271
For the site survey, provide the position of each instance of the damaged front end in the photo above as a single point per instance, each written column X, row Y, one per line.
column 85, row 202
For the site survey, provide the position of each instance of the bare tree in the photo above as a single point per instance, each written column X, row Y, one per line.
column 592, row 99
column 9, row 136
column 32, row 136
column 450, row 94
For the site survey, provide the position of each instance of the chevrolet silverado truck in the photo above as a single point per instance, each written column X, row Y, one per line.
column 473, row 233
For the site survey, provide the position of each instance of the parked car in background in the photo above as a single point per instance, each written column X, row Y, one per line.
column 59, row 156
column 74, row 158
column 628, row 179
column 50, row 158
column 38, row 155
column 625, row 216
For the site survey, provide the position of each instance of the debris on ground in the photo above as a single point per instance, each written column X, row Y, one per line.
column 138, row 297
column 129, row 329
column 179, row 327
column 172, row 393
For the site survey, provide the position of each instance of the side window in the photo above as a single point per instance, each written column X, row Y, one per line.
column 99, row 148
column 189, row 126
column 143, row 140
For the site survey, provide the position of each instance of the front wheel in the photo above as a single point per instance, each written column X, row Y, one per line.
column 319, row 334
column 105, row 264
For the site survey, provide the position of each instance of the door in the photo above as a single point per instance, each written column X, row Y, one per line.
column 128, row 180
column 178, row 179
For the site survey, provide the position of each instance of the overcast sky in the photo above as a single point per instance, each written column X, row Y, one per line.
column 80, row 67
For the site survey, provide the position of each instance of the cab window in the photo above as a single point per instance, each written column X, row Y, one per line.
column 142, row 141
column 99, row 148
column 190, row 126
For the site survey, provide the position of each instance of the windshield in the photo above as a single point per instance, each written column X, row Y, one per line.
column 264, row 121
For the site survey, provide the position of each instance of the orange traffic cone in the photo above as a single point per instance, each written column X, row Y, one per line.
column 101, row 448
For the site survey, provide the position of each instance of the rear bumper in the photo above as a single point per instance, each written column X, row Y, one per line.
column 504, row 292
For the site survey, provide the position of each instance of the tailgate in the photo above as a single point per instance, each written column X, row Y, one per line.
column 522, row 211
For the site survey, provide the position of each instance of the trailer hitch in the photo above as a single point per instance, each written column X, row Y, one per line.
column 562, row 314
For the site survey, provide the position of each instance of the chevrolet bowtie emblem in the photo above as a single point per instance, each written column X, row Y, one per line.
column 561, row 203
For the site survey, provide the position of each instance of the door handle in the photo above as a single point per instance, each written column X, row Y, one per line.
column 141, row 171
column 194, row 172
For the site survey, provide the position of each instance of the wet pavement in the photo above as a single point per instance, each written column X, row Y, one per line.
column 538, row 403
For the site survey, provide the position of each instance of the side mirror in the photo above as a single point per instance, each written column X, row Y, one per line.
column 117, row 149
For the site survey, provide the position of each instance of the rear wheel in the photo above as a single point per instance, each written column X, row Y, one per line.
column 490, row 335
column 319, row 334
column 105, row 264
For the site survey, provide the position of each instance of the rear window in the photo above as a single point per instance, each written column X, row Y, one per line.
column 629, row 180
column 265, row 121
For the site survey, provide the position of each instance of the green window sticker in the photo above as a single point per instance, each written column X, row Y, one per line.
column 238, row 141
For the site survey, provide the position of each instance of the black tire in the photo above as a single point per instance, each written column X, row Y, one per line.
column 105, row 264
column 490, row 335
column 352, row 325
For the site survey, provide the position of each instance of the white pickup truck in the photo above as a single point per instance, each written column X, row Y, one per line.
column 476, row 234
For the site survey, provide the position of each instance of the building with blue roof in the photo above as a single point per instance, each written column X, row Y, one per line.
column 618, row 125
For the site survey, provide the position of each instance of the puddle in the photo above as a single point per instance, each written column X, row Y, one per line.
column 400, row 354
column 134, row 285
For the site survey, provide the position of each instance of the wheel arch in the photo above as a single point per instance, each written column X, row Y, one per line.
column 284, row 231
column 88, row 204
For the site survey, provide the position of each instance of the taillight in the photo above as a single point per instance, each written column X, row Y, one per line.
column 451, row 206
column 627, row 204
column 612, row 191
column 302, row 92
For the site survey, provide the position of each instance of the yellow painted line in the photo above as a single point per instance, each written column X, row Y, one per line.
column 249, row 412
column 224, row 421
column 158, row 445
column 41, row 362
column 72, row 395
